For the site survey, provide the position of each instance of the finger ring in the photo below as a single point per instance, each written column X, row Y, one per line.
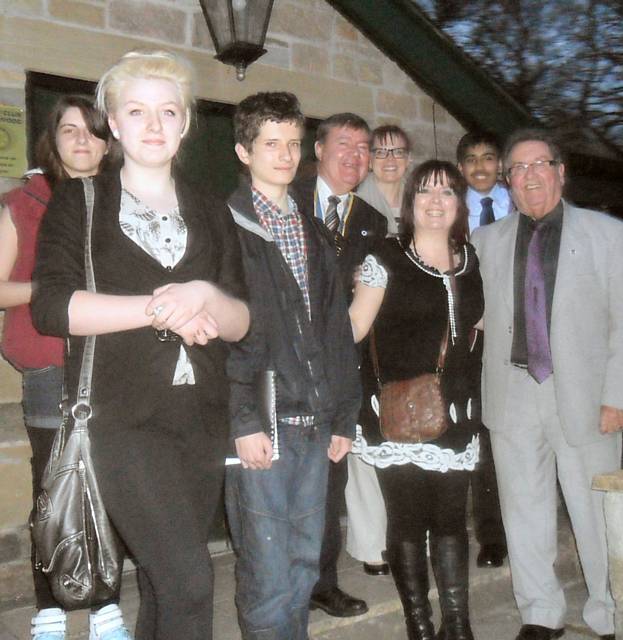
column 158, row 310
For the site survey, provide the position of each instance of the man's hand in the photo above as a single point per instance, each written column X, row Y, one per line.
column 255, row 451
column 339, row 447
column 611, row 419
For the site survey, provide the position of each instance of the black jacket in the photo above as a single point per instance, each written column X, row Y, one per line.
column 315, row 360
column 364, row 229
column 132, row 371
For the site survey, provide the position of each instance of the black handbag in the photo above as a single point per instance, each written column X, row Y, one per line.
column 76, row 544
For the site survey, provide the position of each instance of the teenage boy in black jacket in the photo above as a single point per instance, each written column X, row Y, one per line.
column 300, row 330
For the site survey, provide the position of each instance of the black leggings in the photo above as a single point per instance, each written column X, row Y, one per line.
column 161, row 482
column 420, row 501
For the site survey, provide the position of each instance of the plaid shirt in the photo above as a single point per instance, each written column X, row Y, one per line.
column 289, row 235
column 287, row 231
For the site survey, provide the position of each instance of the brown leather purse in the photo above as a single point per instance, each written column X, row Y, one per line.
column 413, row 410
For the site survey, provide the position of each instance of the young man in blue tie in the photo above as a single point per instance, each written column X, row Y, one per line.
column 488, row 199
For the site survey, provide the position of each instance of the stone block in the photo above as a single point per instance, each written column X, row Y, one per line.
column 15, row 484
column 277, row 54
column 24, row 8
column 344, row 30
column 148, row 20
column 82, row 13
column 302, row 22
column 427, row 105
column 370, row 71
column 396, row 104
column 343, row 66
column 200, row 36
column 310, row 59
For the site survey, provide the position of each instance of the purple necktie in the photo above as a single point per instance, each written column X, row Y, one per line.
column 535, row 307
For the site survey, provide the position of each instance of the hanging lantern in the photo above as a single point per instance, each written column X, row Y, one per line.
column 238, row 29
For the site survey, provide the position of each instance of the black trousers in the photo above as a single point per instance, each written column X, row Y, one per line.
column 332, row 538
column 161, row 482
column 485, row 499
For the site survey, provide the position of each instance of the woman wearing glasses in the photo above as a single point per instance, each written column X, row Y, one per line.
column 389, row 161
column 382, row 189
column 421, row 290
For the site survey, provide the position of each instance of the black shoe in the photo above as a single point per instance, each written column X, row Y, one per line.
column 381, row 569
column 537, row 632
column 491, row 555
column 608, row 636
column 338, row 604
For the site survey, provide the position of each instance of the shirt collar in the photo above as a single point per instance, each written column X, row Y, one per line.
column 324, row 192
column 551, row 219
column 266, row 205
column 499, row 194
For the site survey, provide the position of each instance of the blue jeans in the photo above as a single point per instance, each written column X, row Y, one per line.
column 276, row 517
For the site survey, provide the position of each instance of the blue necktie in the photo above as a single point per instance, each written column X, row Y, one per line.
column 486, row 214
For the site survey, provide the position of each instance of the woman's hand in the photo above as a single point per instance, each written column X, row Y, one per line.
column 199, row 330
column 175, row 305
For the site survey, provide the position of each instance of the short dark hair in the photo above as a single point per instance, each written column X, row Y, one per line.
column 338, row 120
column 255, row 110
column 388, row 131
column 46, row 153
column 435, row 170
column 474, row 138
column 532, row 134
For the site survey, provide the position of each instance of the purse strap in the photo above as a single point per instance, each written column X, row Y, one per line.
column 82, row 410
column 441, row 358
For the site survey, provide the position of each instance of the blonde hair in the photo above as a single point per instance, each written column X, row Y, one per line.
column 140, row 65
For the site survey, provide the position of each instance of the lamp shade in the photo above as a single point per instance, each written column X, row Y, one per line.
column 238, row 29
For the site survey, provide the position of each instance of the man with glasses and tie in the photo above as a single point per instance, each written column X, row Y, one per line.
column 552, row 379
column 343, row 151
column 478, row 158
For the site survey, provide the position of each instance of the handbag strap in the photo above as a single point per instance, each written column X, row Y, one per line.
column 441, row 358
column 82, row 411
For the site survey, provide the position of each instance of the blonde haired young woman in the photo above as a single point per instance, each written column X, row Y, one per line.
column 169, row 281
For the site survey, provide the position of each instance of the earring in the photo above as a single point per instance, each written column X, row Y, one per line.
column 115, row 134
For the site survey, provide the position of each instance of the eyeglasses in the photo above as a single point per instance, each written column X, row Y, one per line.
column 399, row 153
column 521, row 168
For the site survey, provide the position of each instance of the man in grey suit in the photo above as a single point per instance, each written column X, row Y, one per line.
column 552, row 378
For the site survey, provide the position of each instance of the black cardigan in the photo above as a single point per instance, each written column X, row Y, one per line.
column 315, row 361
column 132, row 369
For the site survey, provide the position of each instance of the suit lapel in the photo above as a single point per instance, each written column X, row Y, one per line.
column 505, row 258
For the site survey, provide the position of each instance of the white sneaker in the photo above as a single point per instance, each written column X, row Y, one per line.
column 49, row 624
column 107, row 624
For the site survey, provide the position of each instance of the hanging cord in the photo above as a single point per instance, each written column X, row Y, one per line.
column 435, row 131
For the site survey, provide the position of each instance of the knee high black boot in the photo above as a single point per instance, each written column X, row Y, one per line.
column 409, row 568
column 449, row 556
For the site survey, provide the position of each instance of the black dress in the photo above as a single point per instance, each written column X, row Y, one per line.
column 416, row 309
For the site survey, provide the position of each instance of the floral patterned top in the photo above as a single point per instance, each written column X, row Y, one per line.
column 163, row 237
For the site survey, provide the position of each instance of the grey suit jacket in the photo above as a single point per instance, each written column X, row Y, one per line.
column 586, row 334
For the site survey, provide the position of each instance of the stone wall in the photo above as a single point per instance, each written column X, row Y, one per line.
column 312, row 51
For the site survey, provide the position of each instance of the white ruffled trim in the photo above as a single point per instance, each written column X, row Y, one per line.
column 373, row 274
column 426, row 456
